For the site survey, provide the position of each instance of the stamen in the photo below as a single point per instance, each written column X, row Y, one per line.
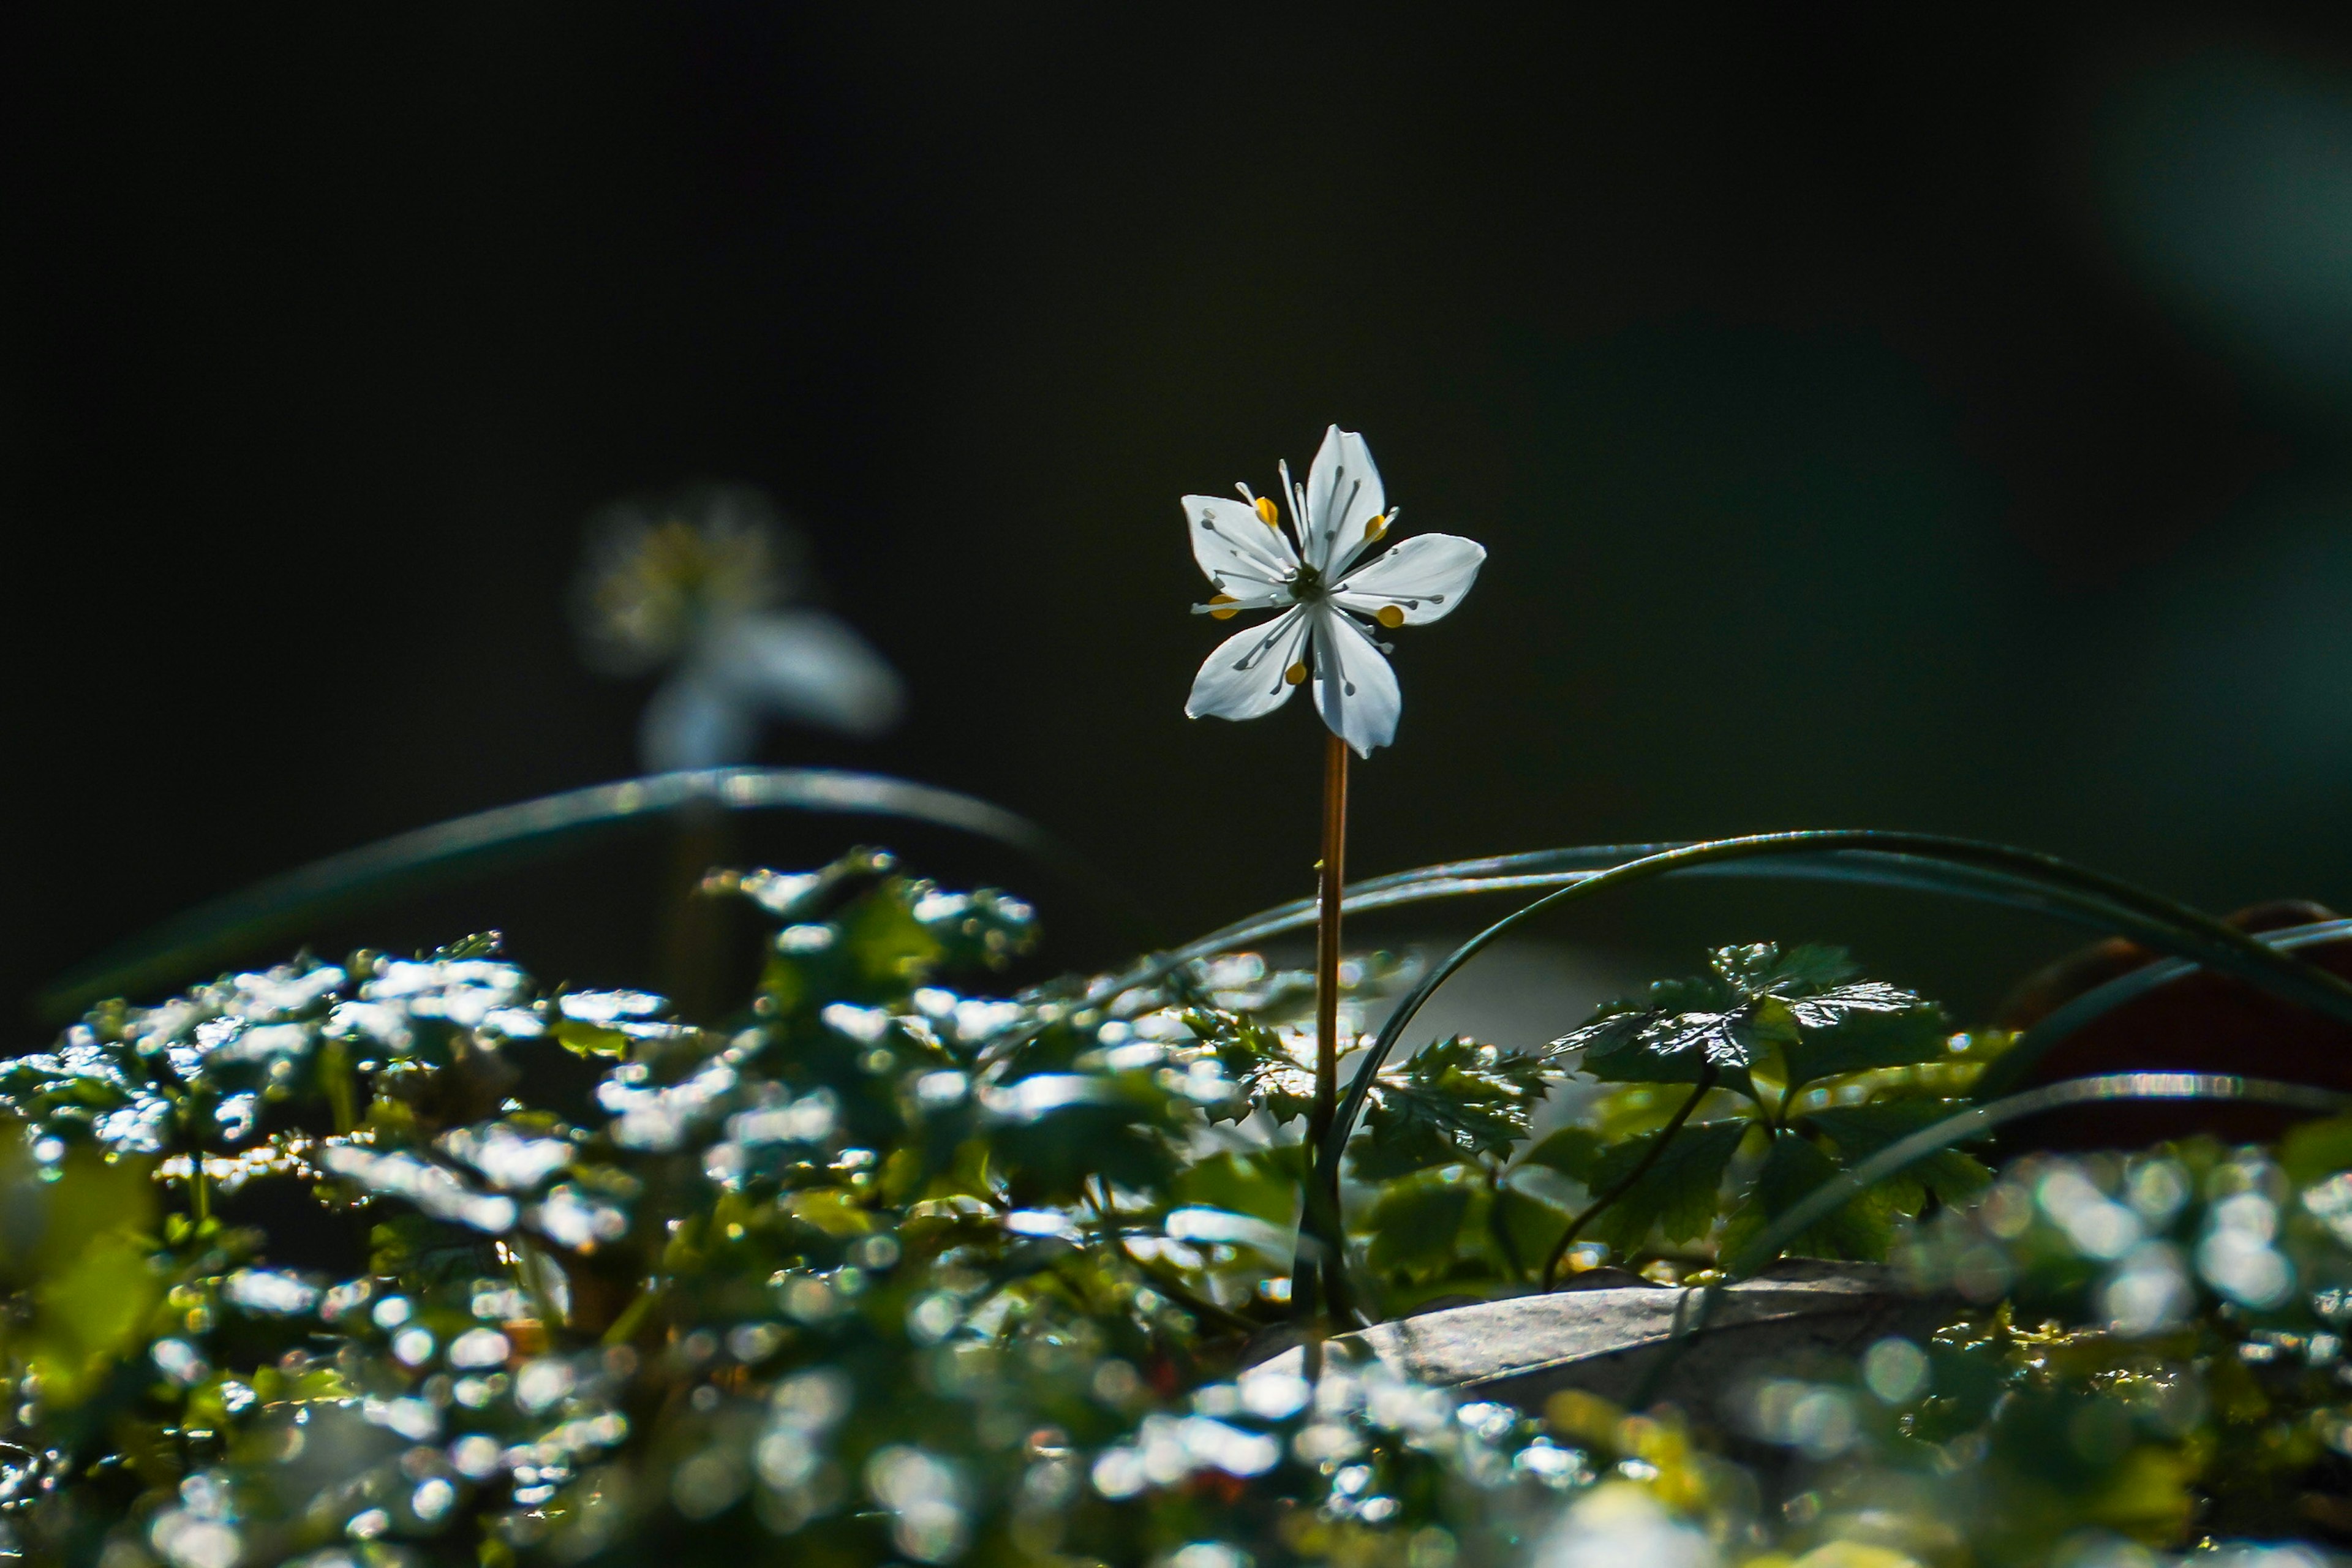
column 1296, row 674
column 1388, row 615
column 1267, row 514
column 1374, row 528
column 1339, row 512
column 1277, row 630
column 1229, row 614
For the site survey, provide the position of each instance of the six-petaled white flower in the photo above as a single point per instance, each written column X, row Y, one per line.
column 1329, row 595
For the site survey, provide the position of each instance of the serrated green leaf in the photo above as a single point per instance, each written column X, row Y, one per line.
column 1763, row 969
column 1678, row 1194
column 1793, row 1167
column 1274, row 1074
column 1457, row 1100
column 1677, row 1048
column 1870, row 1036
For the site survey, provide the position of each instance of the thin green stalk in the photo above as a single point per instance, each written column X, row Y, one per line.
column 1599, row 1205
column 2161, row 921
column 187, row 943
column 1842, row 1188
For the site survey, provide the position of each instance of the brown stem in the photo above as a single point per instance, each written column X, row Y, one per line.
column 1316, row 1225
column 1625, row 1184
column 1327, row 939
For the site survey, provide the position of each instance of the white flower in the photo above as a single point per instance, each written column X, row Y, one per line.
column 703, row 580
column 1330, row 602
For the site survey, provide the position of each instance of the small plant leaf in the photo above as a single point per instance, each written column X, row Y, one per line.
column 1456, row 1100
column 1866, row 1038
column 1678, row 1194
column 1862, row 1130
column 1416, row 1222
column 1793, row 1167
column 1764, row 969
column 1572, row 1151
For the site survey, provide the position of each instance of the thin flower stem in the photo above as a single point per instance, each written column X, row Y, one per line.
column 1316, row 1225
column 1326, row 936
column 1640, row 1168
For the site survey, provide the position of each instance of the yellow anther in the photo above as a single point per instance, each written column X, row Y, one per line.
column 1374, row 528
column 1296, row 674
column 1265, row 512
column 1388, row 615
column 1221, row 615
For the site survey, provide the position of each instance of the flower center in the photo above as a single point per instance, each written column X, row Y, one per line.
column 1306, row 585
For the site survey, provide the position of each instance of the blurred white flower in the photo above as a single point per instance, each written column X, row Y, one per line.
column 704, row 582
column 1328, row 602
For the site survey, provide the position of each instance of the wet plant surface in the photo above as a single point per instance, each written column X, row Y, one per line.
column 413, row 1259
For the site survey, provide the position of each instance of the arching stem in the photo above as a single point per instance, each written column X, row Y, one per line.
column 1625, row 1184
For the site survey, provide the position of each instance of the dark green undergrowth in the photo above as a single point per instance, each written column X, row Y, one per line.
column 411, row 1259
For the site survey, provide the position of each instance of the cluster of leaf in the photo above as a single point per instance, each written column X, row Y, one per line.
column 1710, row 1106
column 878, row 1267
column 410, row 1261
column 2156, row 1357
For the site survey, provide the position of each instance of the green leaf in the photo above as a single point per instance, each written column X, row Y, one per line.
column 1762, row 969
column 1454, row 1101
column 2314, row 1151
column 1794, row 1166
column 1678, row 1194
column 1272, row 1074
column 1528, row 1223
column 1572, row 1151
column 1672, row 1035
column 91, row 1312
column 1862, row 1130
column 586, row 1039
column 1867, row 1036
column 1614, row 1022
column 1417, row 1221
column 1262, row 1184
column 888, row 944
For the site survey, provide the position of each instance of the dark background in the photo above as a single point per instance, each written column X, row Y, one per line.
column 1875, row 419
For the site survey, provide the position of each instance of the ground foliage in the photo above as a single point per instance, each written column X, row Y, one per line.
column 887, row 1267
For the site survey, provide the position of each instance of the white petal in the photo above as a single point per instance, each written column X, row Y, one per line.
column 1237, row 551
column 806, row 665
column 1248, row 674
column 1354, row 687
column 1424, row 576
column 1343, row 493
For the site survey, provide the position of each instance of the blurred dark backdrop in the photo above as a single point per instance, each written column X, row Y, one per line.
column 1876, row 419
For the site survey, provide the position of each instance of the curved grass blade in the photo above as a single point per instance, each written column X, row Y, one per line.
column 187, row 943
column 2010, row 1069
column 1834, row 1193
column 2159, row 922
column 1830, row 1196
column 2171, row 927
column 1567, row 868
